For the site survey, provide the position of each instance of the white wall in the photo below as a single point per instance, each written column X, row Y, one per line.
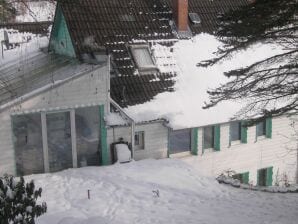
column 254, row 155
column 89, row 89
column 156, row 139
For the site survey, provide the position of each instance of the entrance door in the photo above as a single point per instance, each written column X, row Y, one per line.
column 59, row 141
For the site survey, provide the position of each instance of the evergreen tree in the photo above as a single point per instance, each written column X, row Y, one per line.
column 271, row 85
column 18, row 201
column 7, row 11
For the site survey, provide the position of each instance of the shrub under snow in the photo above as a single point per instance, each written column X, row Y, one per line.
column 18, row 201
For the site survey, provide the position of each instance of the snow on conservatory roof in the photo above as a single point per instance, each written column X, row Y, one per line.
column 183, row 107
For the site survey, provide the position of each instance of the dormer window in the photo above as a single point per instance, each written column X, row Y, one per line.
column 143, row 59
column 127, row 18
column 194, row 18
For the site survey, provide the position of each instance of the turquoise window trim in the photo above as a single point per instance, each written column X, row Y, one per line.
column 217, row 138
column 244, row 129
column 269, row 127
column 105, row 155
column 194, row 141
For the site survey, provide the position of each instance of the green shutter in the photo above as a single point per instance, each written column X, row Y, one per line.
column 217, row 137
column 269, row 174
column 105, row 155
column 258, row 178
column 194, row 141
column 230, row 136
column 245, row 177
column 243, row 132
column 269, row 127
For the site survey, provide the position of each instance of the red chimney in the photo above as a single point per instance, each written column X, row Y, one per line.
column 180, row 14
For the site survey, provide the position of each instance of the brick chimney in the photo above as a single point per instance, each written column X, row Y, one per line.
column 180, row 14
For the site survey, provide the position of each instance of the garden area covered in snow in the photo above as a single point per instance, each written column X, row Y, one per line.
column 156, row 191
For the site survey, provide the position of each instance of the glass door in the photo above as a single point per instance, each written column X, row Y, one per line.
column 59, row 141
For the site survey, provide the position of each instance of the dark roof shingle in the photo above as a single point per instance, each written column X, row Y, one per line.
column 98, row 24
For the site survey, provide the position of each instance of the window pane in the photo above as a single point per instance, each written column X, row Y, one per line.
column 139, row 140
column 261, row 128
column 235, row 131
column 180, row 141
column 208, row 137
column 262, row 177
column 28, row 144
column 59, row 141
column 142, row 57
column 87, row 134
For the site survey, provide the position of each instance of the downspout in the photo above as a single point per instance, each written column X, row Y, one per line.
column 132, row 122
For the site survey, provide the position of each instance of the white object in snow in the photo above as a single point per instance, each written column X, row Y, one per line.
column 123, row 153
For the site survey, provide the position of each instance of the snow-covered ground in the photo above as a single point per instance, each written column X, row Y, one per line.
column 125, row 194
column 20, row 53
column 35, row 11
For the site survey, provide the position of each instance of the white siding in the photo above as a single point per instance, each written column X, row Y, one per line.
column 86, row 90
column 156, row 139
column 256, row 154
column 7, row 164
column 91, row 88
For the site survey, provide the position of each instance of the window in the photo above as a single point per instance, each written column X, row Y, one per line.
column 265, row 176
column 87, row 136
column 180, row 141
column 194, row 18
column 242, row 177
column 208, row 137
column 261, row 128
column 28, row 144
column 235, row 131
column 142, row 58
column 139, row 140
column 127, row 18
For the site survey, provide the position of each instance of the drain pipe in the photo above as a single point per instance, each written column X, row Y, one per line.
column 132, row 122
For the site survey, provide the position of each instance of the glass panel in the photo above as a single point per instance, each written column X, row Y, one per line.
column 142, row 57
column 28, row 144
column 87, row 134
column 262, row 177
column 261, row 128
column 180, row 141
column 208, row 138
column 59, row 141
column 235, row 131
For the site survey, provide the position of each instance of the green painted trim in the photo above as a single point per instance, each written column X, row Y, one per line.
column 243, row 132
column 60, row 40
column 194, row 141
column 14, row 146
column 168, row 152
column 269, row 127
column 230, row 136
column 269, row 174
column 217, row 137
column 105, row 155
column 245, row 177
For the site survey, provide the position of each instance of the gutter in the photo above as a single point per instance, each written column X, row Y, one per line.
column 45, row 88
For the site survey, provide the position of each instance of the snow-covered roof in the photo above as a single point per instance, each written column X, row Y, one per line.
column 26, row 69
column 183, row 107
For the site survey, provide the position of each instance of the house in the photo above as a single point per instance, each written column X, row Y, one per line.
column 110, row 61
